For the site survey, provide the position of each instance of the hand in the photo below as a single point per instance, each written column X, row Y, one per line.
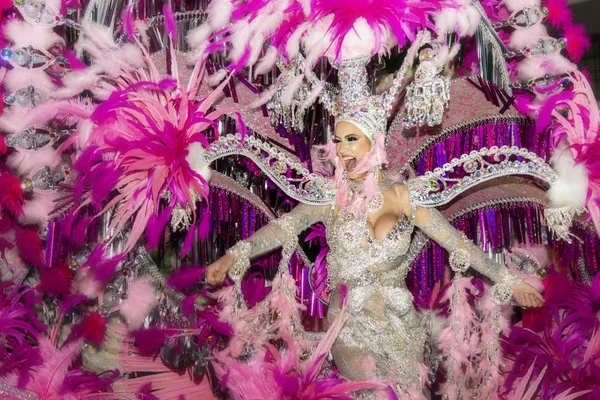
column 527, row 296
column 217, row 271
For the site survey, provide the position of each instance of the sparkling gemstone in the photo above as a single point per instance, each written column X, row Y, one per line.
column 20, row 57
column 6, row 54
column 9, row 98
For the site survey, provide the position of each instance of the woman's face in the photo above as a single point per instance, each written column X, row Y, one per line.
column 351, row 146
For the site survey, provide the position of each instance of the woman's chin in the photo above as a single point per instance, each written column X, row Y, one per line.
column 354, row 176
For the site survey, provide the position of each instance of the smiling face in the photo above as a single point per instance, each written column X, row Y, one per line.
column 351, row 146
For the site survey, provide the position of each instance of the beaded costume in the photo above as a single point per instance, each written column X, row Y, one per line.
column 141, row 140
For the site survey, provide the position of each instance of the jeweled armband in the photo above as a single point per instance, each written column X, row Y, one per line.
column 502, row 292
column 460, row 260
column 241, row 252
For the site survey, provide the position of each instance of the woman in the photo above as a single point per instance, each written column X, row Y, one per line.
column 368, row 234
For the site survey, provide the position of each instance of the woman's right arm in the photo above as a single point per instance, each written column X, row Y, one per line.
column 270, row 237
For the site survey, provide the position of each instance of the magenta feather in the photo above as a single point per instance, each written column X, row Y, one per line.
column 57, row 280
column 577, row 41
column 185, row 277
column 170, row 24
column 71, row 302
column 559, row 14
column 188, row 242
column 149, row 341
column 74, row 63
column 403, row 17
column 156, row 226
column 29, row 244
column 128, row 23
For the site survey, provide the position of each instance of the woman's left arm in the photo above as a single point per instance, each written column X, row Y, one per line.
column 464, row 254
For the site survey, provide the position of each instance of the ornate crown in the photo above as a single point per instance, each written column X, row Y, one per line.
column 355, row 102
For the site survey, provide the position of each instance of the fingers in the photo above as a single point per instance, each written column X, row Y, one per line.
column 215, row 276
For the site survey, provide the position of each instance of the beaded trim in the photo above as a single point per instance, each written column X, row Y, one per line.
column 241, row 252
column 439, row 187
column 305, row 186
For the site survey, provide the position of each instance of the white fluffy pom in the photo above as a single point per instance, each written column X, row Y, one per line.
column 572, row 185
column 197, row 160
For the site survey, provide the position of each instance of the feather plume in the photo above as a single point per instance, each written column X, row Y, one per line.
column 287, row 96
column 149, row 341
column 140, row 300
column 56, row 281
column 527, row 37
column 267, row 62
column 577, row 42
column 572, row 185
column 559, row 14
column 24, row 34
column 11, row 194
column 29, row 244
column 186, row 277
column 170, row 24
column 47, row 380
column 92, row 328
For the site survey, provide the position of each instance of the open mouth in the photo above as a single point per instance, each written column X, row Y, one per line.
column 349, row 163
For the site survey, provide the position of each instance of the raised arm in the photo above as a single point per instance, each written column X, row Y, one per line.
column 270, row 237
column 463, row 253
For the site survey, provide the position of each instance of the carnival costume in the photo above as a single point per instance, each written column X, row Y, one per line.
column 143, row 136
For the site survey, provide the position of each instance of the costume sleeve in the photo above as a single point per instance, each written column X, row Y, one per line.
column 464, row 253
column 274, row 235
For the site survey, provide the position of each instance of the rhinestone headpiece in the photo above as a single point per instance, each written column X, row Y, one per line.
column 355, row 103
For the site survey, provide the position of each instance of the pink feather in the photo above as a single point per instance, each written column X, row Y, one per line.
column 141, row 298
column 47, row 379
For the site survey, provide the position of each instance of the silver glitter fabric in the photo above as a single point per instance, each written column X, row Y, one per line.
column 383, row 325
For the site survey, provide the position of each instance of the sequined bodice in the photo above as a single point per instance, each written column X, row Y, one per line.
column 355, row 257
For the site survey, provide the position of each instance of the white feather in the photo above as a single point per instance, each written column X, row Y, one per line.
column 571, row 187
column 22, row 33
column 263, row 98
column 514, row 5
column 99, row 35
column 77, row 81
column 292, row 47
column 197, row 160
column 199, row 35
column 267, row 62
column 287, row 96
column 256, row 46
column 142, row 30
column 526, row 37
column 474, row 18
column 23, row 163
column 239, row 41
column 131, row 54
column 219, row 13
column 216, row 78
column 19, row 78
